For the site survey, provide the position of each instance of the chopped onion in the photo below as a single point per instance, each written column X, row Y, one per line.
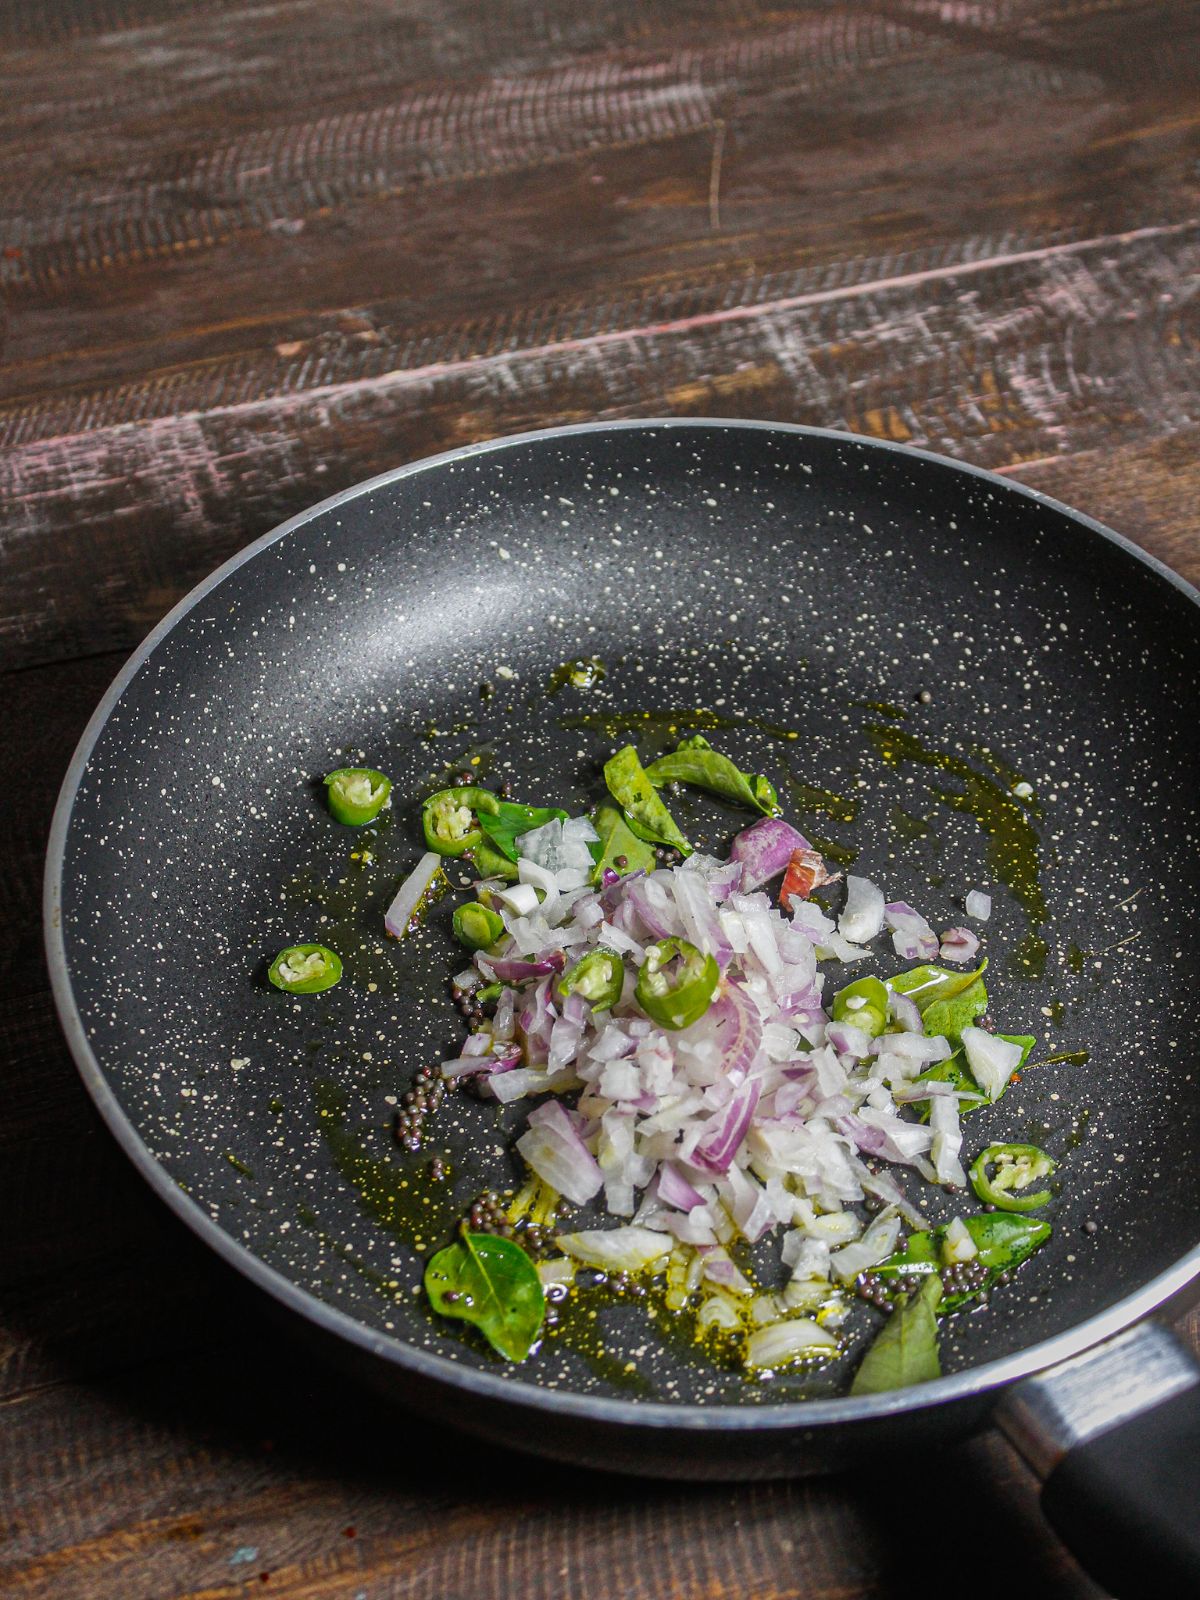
column 862, row 917
column 959, row 945
column 764, row 850
column 519, row 898
column 771, row 1347
column 912, row 937
column 553, row 1148
column 992, row 1061
column 756, row 1118
column 410, row 894
column 627, row 1249
column 876, row 1245
column 957, row 1244
column 947, row 1141
column 979, row 905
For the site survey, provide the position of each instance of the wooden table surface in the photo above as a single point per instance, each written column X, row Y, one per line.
column 252, row 252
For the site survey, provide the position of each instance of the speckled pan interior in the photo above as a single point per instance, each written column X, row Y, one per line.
column 798, row 590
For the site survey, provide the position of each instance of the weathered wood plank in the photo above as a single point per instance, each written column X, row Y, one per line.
column 248, row 1473
column 1017, row 357
column 968, row 152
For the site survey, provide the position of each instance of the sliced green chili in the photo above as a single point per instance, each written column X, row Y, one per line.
column 636, row 795
column 489, row 863
column 305, row 969
column 598, row 978
column 864, row 1005
column 450, row 819
column 357, row 794
column 1017, row 1166
column 476, row 926
column 676, row 983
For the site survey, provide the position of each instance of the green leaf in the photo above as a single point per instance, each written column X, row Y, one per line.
column 491, row 1282
column 695, row 762
column 511, row 821
column 1003, row 1240
column 927, row 984
column 905, row 1350
column 950, row 1016
column 635, row 794
column 617, row 839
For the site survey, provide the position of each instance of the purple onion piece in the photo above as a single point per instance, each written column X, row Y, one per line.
column 905, row 1011
column 764, row 850
column 738, row 1029
column 675, row 1190
column 508, row 970
column 648, row 914
column 719, row 1149
column 959, row 945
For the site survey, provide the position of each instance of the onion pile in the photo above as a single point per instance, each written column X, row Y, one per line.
column 752, row 1121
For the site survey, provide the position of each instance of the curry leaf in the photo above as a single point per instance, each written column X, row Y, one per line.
column 635, row 794
column 491, row 1282
column 695, row 762
column 511, row 821
column 927, row 984
column 1003, row 1240
column 905, row 1350
column 616, row 838
column 950, row 1016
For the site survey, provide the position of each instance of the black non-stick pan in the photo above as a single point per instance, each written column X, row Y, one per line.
column 953, row 681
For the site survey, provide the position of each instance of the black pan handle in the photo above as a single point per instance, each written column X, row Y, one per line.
column 1115, row 1434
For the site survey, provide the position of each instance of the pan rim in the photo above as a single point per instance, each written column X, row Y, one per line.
column 971, row 1384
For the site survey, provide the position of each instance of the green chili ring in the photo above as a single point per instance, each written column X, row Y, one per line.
column 863, row 1005
column 476, row 926
column 676, row 983
column 305, row 969
column 357, row 794
column 448, row 819
column 1021, row 1164
column 490, row 863
column 598, row 978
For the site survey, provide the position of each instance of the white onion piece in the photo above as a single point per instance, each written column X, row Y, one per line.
column 957, row 1243
column 992, row 1061
column 529, row 872
column 959, row 945
column 904, row 1010
column 836, row 947
column 519, row 898
column 627, row 1249
column 979, row 905
column 410, row 894
column 717, row 1312
column 862, row 917
column 876, row 1245
column 770, row 1347
column 947, row 1140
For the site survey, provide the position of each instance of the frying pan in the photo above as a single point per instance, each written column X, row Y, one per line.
column 899, row 641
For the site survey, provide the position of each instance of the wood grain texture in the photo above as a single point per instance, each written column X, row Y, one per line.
column 251, row 253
